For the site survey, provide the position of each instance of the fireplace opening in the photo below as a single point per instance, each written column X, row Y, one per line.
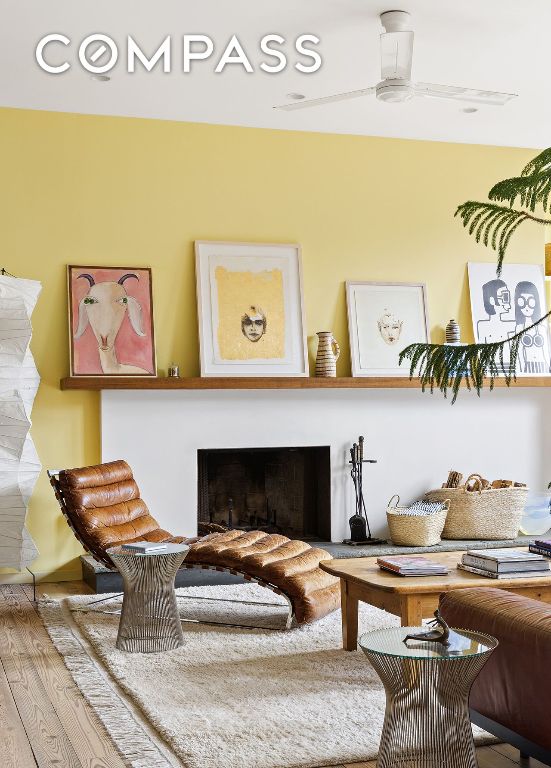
column 277, row 490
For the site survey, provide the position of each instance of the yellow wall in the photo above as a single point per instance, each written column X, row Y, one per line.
column 101, row 190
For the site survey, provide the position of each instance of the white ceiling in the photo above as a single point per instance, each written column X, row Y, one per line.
column 497, row 45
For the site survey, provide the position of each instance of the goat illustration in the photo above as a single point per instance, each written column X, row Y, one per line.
column 104, row 308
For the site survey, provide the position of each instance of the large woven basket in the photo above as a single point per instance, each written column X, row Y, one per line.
column 492, row 513
column 414, row 530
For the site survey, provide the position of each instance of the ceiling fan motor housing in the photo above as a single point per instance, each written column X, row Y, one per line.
column 394, row 91
column 396, row 21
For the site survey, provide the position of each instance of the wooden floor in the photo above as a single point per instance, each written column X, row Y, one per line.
column 45, row 721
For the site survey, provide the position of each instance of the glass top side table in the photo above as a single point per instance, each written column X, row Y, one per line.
column 149, row 617
column 427, row 689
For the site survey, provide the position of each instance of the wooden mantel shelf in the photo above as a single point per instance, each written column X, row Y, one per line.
column 346, row 382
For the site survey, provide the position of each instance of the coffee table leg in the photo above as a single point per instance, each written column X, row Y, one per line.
column 411, row 612
column 349, row 613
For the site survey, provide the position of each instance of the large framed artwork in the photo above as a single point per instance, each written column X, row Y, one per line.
column 251, row 316
column 383, row 319
column 503, row 306
column 111, row 330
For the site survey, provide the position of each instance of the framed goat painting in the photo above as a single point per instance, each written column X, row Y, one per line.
column 251, row 318
column 111, row 329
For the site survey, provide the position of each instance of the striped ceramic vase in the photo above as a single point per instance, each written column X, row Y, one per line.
column 328, row 354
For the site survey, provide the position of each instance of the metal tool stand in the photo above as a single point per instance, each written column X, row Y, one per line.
column 356, row 473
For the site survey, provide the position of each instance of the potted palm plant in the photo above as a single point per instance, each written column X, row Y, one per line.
column 511, row 203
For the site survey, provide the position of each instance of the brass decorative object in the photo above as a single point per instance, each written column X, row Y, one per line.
column 440, row 635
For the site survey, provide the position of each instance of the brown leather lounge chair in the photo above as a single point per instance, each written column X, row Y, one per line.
column 102, row 505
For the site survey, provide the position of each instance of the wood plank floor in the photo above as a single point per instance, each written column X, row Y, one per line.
column 44, row 720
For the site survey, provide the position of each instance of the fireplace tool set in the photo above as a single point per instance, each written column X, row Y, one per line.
column 360, row 531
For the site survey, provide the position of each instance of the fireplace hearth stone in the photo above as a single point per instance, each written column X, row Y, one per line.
column 102, row 580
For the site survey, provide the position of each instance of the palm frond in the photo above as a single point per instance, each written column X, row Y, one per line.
column 492, row 224
column 541, row 162
column 446, row 366
column 528, row 191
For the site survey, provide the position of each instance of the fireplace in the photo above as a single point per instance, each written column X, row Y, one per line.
column 278, row 490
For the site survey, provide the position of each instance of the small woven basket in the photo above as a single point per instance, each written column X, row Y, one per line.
column 414, row 530
column 483, row 513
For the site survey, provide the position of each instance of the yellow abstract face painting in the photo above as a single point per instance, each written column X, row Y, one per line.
column 251, row 314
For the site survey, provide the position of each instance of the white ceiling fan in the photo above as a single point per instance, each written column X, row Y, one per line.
column 396, row 84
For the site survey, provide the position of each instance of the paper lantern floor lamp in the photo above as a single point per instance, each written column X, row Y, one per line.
column 19, row 380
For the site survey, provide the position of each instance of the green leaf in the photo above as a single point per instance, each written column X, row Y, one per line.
column 492, row 224
column 541, row 162
column 446, row 366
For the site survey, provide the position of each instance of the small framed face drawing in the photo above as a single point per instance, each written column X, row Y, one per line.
column 251, row 318
column 383, row 319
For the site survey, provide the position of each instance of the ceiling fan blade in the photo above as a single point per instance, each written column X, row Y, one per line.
column 306, row 103
column 473, row 95
column 396, row 55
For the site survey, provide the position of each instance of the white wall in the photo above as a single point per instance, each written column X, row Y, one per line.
column 415, row 437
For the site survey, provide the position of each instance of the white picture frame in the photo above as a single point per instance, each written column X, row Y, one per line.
column 383, row 319
column 496, row 313
column 250, row 309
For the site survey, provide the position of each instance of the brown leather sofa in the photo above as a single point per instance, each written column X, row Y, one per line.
column 102, row 505
column 511, row 697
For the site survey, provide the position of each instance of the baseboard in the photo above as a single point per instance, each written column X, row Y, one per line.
column 525, row 746
column 24, row 577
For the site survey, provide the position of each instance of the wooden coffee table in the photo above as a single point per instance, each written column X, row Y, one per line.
column 412, row 598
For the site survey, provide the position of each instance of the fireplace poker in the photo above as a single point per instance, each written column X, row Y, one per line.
column 360, row 530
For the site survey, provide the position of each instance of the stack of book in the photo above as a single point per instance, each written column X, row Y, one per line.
column 504, row 563
column 143, row 547
column 541, row 547
column 412, row 566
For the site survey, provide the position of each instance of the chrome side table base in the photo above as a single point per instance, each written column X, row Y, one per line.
column 427, row 721
column 149, row 620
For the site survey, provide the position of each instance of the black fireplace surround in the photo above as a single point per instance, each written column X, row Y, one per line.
column 278, row 490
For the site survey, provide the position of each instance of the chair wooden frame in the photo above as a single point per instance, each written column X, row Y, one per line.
column 103, row 557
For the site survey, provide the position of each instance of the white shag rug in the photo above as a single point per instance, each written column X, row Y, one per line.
column 231, row 698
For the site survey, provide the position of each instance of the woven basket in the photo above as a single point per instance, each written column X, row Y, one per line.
column 492, row 513
column 414, row 530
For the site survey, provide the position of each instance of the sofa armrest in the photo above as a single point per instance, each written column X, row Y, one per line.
column 514, row 687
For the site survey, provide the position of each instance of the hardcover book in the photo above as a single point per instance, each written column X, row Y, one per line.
column 143, row 547
column 494, row 575
column 539, row 550
column 412, row 566
column 519, row 561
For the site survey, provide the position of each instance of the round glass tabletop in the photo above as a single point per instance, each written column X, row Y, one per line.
column 168, row 549
column 390, row 642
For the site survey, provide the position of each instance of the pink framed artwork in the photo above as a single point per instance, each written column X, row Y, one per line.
column 111, row 331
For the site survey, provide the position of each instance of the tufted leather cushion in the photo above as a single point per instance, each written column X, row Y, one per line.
column 293, row 566
column 104, row 507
